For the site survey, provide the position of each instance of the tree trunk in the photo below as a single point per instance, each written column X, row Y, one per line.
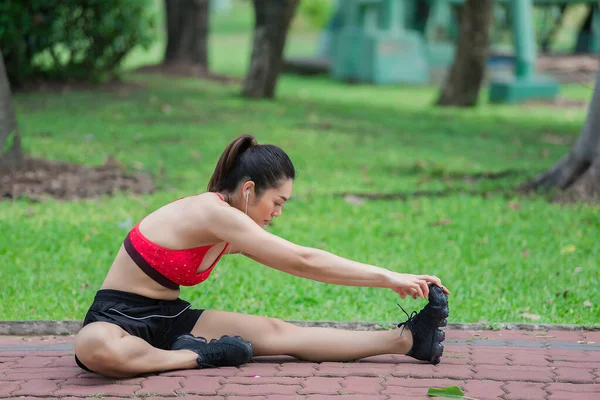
column 11, row 153
column 579, row 170
column 462, row 84
column 272, row 22
column 187, row 34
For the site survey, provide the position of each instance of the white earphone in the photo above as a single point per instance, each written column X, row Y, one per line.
column 247, row 194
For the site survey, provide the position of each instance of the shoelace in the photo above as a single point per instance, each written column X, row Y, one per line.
column 411, row 317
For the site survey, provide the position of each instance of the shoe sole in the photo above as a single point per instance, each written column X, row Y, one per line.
column 438, row 302
column 439, row 308
column 237, row 341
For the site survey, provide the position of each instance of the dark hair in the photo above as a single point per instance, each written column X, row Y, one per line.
column 244, row 158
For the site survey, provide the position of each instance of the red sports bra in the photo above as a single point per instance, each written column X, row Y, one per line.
column 170, row 268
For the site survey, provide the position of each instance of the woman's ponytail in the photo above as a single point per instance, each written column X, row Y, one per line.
column 228, row 159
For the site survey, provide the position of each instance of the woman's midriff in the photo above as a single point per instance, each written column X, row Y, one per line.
column 126, row 276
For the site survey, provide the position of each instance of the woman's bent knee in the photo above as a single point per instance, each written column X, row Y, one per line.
column 95, row 348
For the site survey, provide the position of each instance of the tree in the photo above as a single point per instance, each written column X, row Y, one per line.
column 11, row 152
column 579, row 170
column 272, row 22
column 187, row 35
column 462, row 84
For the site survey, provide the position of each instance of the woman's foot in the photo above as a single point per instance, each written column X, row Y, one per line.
column 427, row 338
column 227, row 351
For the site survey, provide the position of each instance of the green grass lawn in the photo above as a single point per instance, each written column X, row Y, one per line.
column 500, row 255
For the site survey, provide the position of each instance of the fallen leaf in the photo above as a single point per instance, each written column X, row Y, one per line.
column 568, row 249
column 585, row 342
column 445, row 221
column 533, row 317
column 525, row 252
column 578, row 270
column 555, row 139
column 450, row 392
column 352, row 199
column 515, row 205
column 166, row 108
column 587, row 303
column 545, row 153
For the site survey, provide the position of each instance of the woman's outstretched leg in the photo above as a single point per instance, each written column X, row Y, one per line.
column 419, row 336
column 275, row 337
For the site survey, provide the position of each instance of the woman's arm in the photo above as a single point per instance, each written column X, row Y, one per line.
column 236, row 228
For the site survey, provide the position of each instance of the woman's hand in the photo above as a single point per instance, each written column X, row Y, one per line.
column 413, row 285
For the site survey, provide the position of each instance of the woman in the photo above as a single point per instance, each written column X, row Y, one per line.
column 137, row 323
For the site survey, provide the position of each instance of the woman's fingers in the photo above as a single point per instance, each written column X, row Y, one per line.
column 417, row 290
column 424, row 288
column 435, row 280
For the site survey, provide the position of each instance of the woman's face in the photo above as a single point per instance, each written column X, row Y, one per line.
column 269, row 205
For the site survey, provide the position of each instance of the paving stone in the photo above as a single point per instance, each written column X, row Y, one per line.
column 279, row 380
column 161, row 385
column 64, row 361
column 360, row 385
column 353, row 369
column 593, row 356
column 230, row 389
column 529, row 357
column 573, row 396
column 410, row 382
column 483, row 390
column 317, row 385
column 512, row 373
column 385, row 359
column 587, row 365
column 275, row 397
column 345, row 397
column 190, row 397
column 105, row 390
column 225, row 371
column 562, row 336
column 453, row 371
column 297, row 370
column 258, row 369
column 573, row 388
column 17, row 375
column 407, row 370
column 6, row 388
column 37, row 387
column 462, row 335
column 567, row 355
column 206, row 385
column 592, row 336
column 524, row 391
column 34, row 361
column 490, row 358
column 574, row 375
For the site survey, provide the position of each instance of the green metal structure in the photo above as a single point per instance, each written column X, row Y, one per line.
column 373, row 46
column 402, row 41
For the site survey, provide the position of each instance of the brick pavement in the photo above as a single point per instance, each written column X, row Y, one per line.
column 552, row 365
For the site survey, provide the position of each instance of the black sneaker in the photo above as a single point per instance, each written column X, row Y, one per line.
column 427, row 338
column 227, row 351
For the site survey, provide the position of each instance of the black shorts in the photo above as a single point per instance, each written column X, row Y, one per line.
column 158, row 322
